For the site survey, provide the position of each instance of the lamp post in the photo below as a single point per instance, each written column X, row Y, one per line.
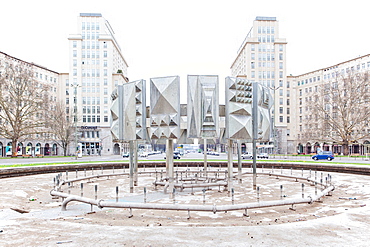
column 274, row 122
column 75, row 86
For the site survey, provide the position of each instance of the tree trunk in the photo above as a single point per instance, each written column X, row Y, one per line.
column 14, row 148
column 345, row 148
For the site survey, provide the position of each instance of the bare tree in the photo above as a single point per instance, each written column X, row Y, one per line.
column 62, row 126
column 340, row 111
column 24, row 103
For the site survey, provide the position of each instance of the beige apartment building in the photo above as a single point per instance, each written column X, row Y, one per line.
column 262, row 58
column 36, row 144
column 305, row 87
column 96, row 66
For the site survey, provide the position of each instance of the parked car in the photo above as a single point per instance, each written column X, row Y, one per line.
column 247, row 155
column 325, row 155
column 125, row 155
column 175, row 157
column 262, row 156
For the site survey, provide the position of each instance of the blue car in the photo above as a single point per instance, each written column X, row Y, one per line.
column 325, row 155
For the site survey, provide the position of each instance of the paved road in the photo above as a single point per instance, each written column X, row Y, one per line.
column 222, row 156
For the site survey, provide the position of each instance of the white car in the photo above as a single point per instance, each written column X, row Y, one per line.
column 263, row 156
column 247, row 155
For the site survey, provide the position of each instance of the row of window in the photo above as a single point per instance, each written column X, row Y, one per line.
column 93, row 119
column 91, row 73
column 266, row 47
column 90, row 25
column 266, row 29
column 335, row 73
column 40, row 76
column 88, row 54
column 90, row 134
column 90, row 35
column 94, row 44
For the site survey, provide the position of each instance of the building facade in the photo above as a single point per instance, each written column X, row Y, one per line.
column 96, row 66
column 35, row 144
column 306, row 87
column 262, row 58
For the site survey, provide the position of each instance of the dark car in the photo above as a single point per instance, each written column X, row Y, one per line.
column 175, row 157
column 125, row 155
column 325, row 155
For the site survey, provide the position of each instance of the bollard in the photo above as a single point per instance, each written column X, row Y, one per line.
column 315, row 188
column 310, row 174
column 66, row 175
column 96, row 191
column 173, row 194
column 302, row 190
column 258, row 196
column 272, row 169
column 144, row 167
column 281, row 192
column 291, row 171
column 92, row 170
column 85, row 172
column 76, row 173
column 204, row 196
column 145, row 195
column 101, row 169
column 116, row 193
column 232, row 196
column 69, row 188
column 82, row 189
column 54, row 181
column 262, row 168
column 281, row 169
column 113, row 169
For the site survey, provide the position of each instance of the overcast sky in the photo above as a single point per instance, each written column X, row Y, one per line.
column 163, row 38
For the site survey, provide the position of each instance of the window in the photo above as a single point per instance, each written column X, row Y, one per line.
column 67, row 101
column 105, row 72
column 74, row 53
column 105, row 100
column 252, row 47
column 281, row 110
column 105, row 63
column 280, row 65
column 288, row 110
column 280, row 47
column 281, row 56
column 105, row 54
column 105, row 119
column 281, row 119
column 74, row 44
column 288, row 119
column 253, row 56
column 280, row 92
column 288, row 101
column 288, row 93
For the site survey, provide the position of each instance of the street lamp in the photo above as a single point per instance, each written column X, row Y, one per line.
column 75, row 86
column 274, row 122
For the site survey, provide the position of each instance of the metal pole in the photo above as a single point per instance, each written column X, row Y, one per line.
column 255, row 131
column 239, row 161
column 230, row 165
column 205, row 156
column 169, row 165
column 135, row 163
column 131, row 144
